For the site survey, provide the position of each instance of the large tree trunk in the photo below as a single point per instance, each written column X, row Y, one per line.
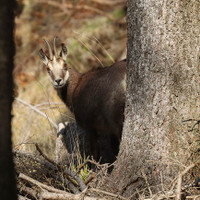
column 162, row 91
column 7, row 177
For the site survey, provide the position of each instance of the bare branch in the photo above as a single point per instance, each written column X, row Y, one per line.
column 20, row 197
column 90, row 178
column 40, row 185
column 53, row 193
column 64, row 196
column 179, row 184
column 193, row 197
column 179, row 180
column 28, row 190
column 38, row 111
column 65, row 171
column 107, row 193
column 49, row 166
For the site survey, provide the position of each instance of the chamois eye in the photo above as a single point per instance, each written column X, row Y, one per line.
column 65, row 67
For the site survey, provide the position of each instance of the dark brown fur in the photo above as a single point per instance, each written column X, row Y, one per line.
column 97, row 99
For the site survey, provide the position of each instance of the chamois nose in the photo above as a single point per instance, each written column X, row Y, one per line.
column 58, row 80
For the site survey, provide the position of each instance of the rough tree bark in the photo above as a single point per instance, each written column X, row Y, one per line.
column 7, row 177
column 162, row 91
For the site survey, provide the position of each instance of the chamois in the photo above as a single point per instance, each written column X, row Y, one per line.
column 96, row 98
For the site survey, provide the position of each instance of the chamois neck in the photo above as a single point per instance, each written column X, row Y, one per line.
column 66, row 93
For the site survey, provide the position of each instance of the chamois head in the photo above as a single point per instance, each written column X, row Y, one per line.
column 56, row 64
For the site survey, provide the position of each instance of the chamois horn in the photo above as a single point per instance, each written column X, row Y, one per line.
column 49, row 48
column 54, row 47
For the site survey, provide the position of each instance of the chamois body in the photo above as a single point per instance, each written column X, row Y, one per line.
column 96, row 98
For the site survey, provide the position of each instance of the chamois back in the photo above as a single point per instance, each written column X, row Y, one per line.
column 99, row 99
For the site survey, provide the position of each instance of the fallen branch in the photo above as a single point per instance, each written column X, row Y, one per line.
column 90, row 178
column 179, row 180
column 161, row 197
column 193, row 197
column 50, row 167
column 20, row 197
column 28, row 191
column 68, row 196
column 179, row 184
column 65, row 171
column 48, row 192
column 40, row 185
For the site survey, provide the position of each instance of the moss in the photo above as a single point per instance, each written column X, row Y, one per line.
column 118, row 13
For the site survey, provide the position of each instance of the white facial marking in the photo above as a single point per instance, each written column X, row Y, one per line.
column 58, row 74
column 66, row 76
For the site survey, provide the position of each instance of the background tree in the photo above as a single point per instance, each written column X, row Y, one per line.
column 7, row 180
column 162, row 93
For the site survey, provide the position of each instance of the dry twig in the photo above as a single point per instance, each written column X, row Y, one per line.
column 28, row 191
column 49, row 167
column 107, row 193
column 179, row 179
column 40, row 185
column 64, row 196
column 48, row 192
column 20, row 197
column 193, row 197
column 179, row 184
column 146, row 180
column 67, row 172
column 38, row 111
column 90, row 178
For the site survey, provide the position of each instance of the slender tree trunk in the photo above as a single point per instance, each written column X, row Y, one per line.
column 7, row 177
column 162, row 91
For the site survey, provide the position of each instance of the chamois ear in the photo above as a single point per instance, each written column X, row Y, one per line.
column 43, row 57
column 63, row 52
